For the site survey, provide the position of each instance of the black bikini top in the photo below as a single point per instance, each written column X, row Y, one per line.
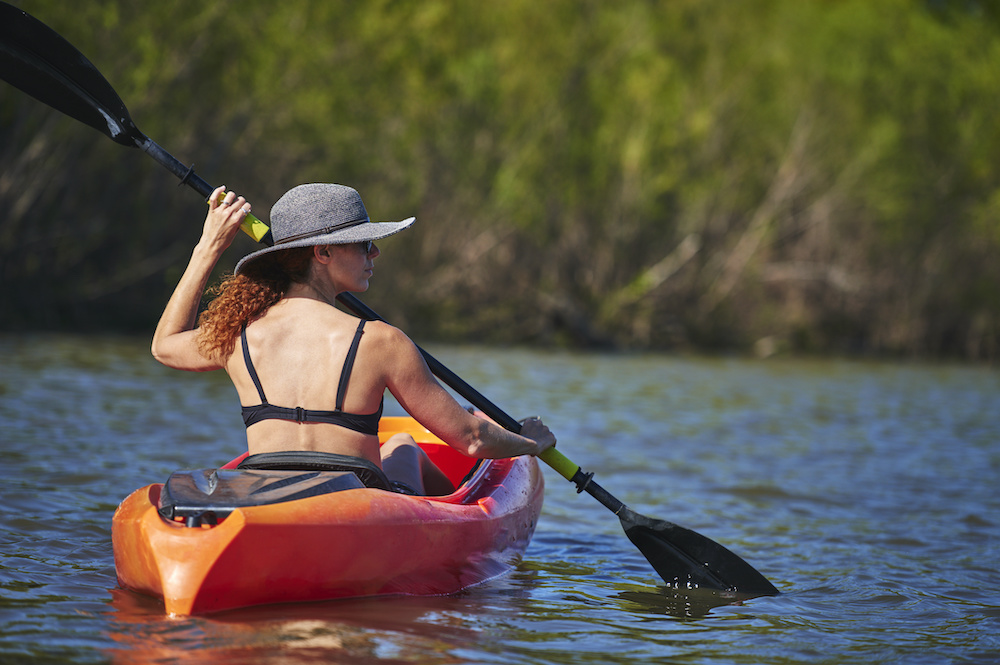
column 366, row 424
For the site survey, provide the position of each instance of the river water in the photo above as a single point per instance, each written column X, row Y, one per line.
column 866, row 492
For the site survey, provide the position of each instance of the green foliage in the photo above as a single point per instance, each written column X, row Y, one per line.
column 686, row 173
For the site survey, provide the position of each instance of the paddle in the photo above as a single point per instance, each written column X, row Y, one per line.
column 37, row 60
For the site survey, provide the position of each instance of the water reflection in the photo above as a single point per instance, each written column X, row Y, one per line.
column 679, row 603
column 523, row 607
column 396, row 629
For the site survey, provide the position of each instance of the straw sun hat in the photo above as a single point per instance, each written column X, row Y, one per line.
column 322, row 214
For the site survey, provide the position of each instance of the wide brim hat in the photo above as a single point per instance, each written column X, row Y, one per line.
column 322, row 214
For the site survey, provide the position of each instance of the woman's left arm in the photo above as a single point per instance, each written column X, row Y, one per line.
column 175, row 342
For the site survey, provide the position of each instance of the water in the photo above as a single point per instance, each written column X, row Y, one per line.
column 866, row 492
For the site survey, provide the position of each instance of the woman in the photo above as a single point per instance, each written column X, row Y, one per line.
column 311, row 377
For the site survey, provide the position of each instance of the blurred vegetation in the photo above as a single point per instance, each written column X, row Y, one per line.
column 768, row 175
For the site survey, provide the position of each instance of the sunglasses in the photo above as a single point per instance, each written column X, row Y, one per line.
column 365, row 246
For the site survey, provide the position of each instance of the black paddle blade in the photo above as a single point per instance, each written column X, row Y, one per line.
column 687, row 559
column 36, row 60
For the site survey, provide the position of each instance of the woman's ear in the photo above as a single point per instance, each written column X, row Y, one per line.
column 322, row 254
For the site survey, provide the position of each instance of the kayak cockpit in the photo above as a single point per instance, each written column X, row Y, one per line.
column 206, row 496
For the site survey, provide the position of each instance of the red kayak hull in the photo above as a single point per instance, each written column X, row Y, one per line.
column 358, row 542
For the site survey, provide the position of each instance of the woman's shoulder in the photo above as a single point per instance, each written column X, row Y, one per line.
column 380, row 332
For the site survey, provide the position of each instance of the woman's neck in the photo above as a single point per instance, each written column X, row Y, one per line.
column 314, row 290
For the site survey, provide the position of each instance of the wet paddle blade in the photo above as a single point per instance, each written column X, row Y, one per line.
column 687, row 559
column 38, row 61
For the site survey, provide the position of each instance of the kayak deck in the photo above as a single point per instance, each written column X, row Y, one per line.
column 351, row 541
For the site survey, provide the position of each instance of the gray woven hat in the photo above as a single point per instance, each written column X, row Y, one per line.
column 322, row 214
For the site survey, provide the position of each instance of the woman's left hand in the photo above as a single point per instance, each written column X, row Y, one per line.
column 534, row 429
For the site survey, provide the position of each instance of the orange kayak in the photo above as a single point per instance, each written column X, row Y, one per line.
column 340, row 540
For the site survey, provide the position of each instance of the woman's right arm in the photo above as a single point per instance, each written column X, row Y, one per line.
column 175, row 342
column 411, row 382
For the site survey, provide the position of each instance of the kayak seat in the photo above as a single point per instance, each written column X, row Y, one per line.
column 306, row 460
column 208, row 495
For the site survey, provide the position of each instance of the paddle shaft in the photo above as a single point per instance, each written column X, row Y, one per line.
column 562, row 464
column 252, row 226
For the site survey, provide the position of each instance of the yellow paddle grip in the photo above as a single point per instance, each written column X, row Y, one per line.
column 252, row 226
column 563, row 465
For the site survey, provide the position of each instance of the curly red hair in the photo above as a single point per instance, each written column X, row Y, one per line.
column 244, row 298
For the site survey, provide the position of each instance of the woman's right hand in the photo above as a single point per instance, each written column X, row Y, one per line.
column 175, row 342
column 226, row 212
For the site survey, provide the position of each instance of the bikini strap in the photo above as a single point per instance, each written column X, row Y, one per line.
column 345, row 373
column 250, row 367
